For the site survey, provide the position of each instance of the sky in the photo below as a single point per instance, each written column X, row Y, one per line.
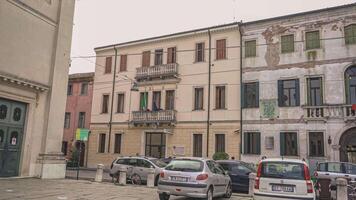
column 104, row 22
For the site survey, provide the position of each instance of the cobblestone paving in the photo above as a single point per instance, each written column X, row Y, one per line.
column 65, row 189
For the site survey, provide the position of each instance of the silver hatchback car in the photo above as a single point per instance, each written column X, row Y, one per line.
column 194, row 177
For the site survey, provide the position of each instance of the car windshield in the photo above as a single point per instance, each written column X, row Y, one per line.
column 285, row 170
column 185, row 165
column 158, row 163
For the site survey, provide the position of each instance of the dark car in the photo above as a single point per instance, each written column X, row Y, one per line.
column 238, row 172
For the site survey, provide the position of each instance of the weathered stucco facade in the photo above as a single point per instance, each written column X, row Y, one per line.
column 35, row 39
column 331, row 116
column 178, row 123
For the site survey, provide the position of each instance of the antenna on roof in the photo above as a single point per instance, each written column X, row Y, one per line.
column 234, row 10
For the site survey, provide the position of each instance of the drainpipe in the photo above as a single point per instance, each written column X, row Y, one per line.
column 209, row 87
column 241, row 95
column 112, row 99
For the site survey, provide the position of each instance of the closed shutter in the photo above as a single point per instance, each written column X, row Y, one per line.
column 123, row 63
column 258, row 141
column 297, row 92
column 220, row 49
column 169, row 56
column 257, row 94
column 146, row 59
column 246, row 143
column 243, row 96
column 282, row 141
column 108, row 65
column 280, row 93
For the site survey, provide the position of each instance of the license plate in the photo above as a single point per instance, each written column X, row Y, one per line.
column 179, row 178
column 282, row 188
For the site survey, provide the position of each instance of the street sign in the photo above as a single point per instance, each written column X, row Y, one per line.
column 82, row 134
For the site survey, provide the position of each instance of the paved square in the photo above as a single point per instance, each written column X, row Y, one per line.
column 65, row 189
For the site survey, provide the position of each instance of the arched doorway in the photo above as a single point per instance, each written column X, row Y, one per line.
column 348, row 146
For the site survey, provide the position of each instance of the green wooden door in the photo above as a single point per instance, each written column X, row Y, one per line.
column 12, row 117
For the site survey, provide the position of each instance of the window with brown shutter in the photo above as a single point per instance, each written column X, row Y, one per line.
column 101, row 147
column 170, row 100
column 146, row 58
column 220, row 97
column 123, row 63
column 220, row 49
column 172, row 54
column 220, row 143
column 198, row 98
column 158, row 56
column 108, row 65
column 120, row 103
column 105, row 104
column 197, row 145
column 199, row 52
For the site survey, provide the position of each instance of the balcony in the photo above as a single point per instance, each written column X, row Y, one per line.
column 326, row 112
column 154, row 117
column 157, row 72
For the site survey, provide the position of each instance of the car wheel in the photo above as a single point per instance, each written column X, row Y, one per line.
column 228, row 191
column 163, row 196
column 136, row 179
column 209, row 194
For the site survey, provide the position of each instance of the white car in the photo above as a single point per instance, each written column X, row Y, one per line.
column 283, row 179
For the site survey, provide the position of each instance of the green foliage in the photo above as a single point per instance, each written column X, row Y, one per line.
column 221, row 156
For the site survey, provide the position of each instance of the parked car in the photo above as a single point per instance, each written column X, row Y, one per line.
column 167, row 160
column 194, row 177
column 137, row 167
column 333, row 170
column 238, row 172
column 283, row 179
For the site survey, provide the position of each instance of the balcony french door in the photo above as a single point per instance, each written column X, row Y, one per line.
column 155, row 145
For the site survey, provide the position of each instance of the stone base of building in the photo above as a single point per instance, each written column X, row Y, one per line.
column 52, row 166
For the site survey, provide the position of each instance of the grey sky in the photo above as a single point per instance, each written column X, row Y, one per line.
column 104, row 22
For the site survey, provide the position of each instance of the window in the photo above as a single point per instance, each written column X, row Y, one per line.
column 220, row 143
column 105, row 104
column 84, row 89
column 102, row 138
column 81, row 120
column 289, row 144
column 172, row 55
column 64, row 147
column 316, row 144
column 288, row 93
column 120, row 102
column 312, row 40
column 350, row 34
column 350, row 83
column 252, row 143
column 159, row 57
column 315, row 91
column 287, row 43
column 117, row 147
column 220, row 49
column 250, row 48
column 220, row 97
column 156, row 100
column 199, row 52
column 197, row 145
column 198, row 98
column 250, row 93
column 143, row 101
column 108, row 64
column 123, row 63
column 170, row 100
column 67, row 120
column 146, row 58
column 70, row 90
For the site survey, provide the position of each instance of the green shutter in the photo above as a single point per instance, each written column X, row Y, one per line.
column 257, row 94
column 243, row 96
column 287, row 43
column 280, row 93
column 282, row 141
column 312, row 40
column 258, row 143
column 250, row 48
column 246, row 143
column 297, row 92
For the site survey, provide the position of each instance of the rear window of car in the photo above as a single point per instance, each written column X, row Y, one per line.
column 283, row 170
column 185, row 165
column 158, row 163
column 331, row 167
column 350, row 168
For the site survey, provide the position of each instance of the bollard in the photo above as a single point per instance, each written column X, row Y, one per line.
column 151, row 178
column 341, row 189
column 122, row 175
column 99, row 173
column 251, row 183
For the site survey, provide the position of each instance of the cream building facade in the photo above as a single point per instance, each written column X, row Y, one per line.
column 35, row 39
column 160, row 103
column 298, row 77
